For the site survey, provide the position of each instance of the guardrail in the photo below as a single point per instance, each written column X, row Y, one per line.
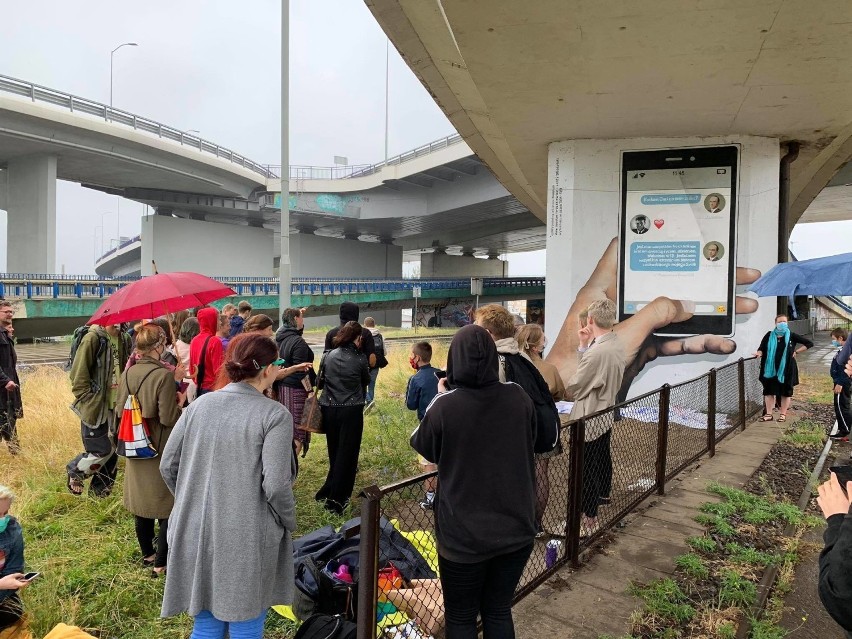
column 637, row 446
column 115, row 249
column 33, row 286
column 75, row 103
column 298, row 172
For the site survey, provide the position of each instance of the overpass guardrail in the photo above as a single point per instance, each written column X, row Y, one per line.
column 75, row 103
column 33, row 286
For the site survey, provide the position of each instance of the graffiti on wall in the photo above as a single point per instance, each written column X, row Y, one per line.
column 452, row 314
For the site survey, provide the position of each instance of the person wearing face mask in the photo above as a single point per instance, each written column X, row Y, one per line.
column 842, row 387
column 11, row 562
column 778, row 370
column 292, row 390
column 343, row 378
column 229, row 464
column 145, row 494
column 419, row 393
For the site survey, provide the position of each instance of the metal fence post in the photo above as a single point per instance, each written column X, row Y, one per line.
column 742, row 391
column 711, row 412
column 368, row 568
column 576, row 446
column 662, row 438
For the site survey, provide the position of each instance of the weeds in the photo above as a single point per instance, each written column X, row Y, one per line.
column 693, row 566
column 736, row 590
column 805, row 434
column 704, row 544
column 665, row 599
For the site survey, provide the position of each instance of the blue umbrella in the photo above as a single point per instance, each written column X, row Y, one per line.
column 823, row 276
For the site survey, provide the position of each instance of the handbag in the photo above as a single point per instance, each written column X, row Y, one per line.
column 134, row 437
column 321, row 626
column 311, row 413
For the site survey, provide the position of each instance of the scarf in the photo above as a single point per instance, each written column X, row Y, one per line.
column 771, row 350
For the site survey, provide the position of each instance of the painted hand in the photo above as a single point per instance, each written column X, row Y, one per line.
column 637, row 333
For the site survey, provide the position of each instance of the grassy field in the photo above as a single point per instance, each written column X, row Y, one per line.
column 86, row 549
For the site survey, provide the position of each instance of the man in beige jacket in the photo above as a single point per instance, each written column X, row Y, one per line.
column 593, row 387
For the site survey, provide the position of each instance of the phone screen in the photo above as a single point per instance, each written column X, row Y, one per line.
column 844, row 475
column 678, row 232
column 31, row 575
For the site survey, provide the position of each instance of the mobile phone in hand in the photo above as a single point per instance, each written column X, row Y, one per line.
column 440, row 374
column 844, row 474
column 31, row 575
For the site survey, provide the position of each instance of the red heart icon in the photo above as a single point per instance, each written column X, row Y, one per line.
column 659, row 223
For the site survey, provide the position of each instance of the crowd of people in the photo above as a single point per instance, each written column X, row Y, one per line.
column 223, row 397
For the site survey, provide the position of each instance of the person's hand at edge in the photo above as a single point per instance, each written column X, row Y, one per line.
column 832, row 500
column 15, row 581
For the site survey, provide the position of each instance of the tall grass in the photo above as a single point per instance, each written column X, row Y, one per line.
column 86, row 548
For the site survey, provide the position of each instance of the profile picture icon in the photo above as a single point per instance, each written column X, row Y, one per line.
column 640, row 224
column 713, row 251
column 714, row 203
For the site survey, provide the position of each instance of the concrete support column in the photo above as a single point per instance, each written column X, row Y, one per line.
column 584, row 204
column 439, row 264
column 31, row 204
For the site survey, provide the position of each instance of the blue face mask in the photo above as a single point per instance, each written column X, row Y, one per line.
column 781, row 327
column 836, row 344
column 4, row 521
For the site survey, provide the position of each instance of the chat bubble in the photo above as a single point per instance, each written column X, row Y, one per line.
column 671, row 257
column 672, row 198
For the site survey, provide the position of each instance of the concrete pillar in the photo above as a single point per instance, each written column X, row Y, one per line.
column 31, row 204
column 439, row 264
column 583, row 217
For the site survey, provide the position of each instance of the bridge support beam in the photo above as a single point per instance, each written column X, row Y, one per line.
column 439, row 264
column 584, row 205
column 31, row 205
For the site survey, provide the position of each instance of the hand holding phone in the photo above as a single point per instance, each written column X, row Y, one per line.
column 833, row 499
column 441, row 374
column 31, row 575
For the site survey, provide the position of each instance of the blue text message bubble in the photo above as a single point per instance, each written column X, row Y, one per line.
column 672, row 198
column 665, row 256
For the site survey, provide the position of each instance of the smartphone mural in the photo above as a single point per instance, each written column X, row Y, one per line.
column 678, row 233
column 673, row 244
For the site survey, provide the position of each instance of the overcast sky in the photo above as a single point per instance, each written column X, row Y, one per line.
column 214, row 66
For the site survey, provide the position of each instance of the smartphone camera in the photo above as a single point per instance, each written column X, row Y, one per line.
column 692, row 158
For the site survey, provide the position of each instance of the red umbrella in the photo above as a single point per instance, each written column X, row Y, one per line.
column 157, row 295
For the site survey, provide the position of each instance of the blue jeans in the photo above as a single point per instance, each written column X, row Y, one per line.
column 371, row 388
column 208, row 627
column 485, row 588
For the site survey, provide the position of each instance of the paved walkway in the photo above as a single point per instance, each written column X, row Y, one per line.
column 593, row 601
column 817, row 360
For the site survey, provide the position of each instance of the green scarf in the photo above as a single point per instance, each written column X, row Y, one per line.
column 771, row 349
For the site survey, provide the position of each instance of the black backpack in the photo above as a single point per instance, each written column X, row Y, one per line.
column 77, row 339
column 379, row 341
column 326, row 627
column 524, row 373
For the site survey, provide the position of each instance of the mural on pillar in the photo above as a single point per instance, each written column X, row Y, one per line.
column 452, row 314
column 535, row 312
column 583, row 265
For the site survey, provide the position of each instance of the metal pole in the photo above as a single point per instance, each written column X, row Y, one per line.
column 662, row 439
column 742, row 391
column 118, row 220
column 111, row 55
column 284, row 273
column 387, row 93
column 711, row 412
column 368, row 566
column 576, row 448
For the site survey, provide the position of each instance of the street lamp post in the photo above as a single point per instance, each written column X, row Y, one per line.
column 111, row 56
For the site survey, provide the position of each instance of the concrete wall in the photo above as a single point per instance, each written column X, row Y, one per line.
column 583, row 212
column 211, row 249
column 318, row 256
column 443, row 265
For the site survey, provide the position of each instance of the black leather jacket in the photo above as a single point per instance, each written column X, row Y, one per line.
column 343, row 377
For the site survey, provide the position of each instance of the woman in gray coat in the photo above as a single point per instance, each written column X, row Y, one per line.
column 229, row 463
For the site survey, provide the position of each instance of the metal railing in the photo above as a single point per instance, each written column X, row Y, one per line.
column 35, row 286
column 76, row 104
column 633, row 449
column 115, row 249
column 300, row 172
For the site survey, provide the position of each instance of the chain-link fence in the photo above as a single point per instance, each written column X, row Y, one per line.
column 610, row 462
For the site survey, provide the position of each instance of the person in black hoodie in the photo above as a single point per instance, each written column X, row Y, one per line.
column 292, row 390
column 349, row 312
column 835, row 561
column 481, row 435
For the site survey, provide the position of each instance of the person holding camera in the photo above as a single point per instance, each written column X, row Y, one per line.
column 11, row 562
column 835, row 560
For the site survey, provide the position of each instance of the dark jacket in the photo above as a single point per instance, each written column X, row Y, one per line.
column 236, row 323
column 838, row 371
column 421, row 390
column 11, row 553
column 9, row 372
column 835, row 570
column 343, row 377
column 349, row 312
column 481, row 436
column 791, row 369
column 214, row 354
column 293, row 349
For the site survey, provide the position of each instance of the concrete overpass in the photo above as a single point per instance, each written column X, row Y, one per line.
column 48, row 306
column 549, row 94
